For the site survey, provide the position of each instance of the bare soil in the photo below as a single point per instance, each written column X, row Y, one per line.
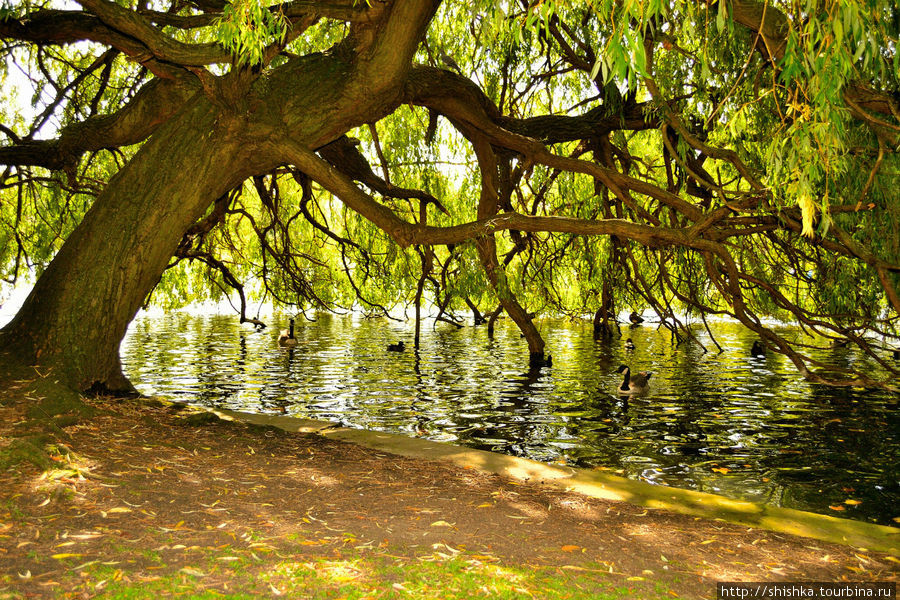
column 142, row 484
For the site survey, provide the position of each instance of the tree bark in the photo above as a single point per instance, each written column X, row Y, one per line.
column 488, row 206
column 77, row 313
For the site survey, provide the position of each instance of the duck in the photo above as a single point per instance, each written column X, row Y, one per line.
column 757, row 349
column 633, row 385
column 287, row 338
column 398, row 347
column 635, row 318
column 629, row 345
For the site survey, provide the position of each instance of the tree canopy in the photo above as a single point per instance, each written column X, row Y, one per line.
column 581, row 158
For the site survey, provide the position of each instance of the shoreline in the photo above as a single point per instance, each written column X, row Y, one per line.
column 597, row 484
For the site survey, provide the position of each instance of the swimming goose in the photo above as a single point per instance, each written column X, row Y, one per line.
column 629, row 345
column 757, row 349
column 635, row 318
column 287, row 336
column 398, row 347
column 633, row 385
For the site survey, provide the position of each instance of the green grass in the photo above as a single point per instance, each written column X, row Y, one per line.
column 361, row 575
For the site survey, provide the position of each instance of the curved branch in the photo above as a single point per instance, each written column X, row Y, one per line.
column 152, row 106
column 406, row 233
column 470, row 110
column 160, row 46
column 774, row 27
column 68, row 27
column 343, row 154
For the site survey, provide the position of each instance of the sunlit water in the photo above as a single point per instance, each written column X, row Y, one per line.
column 722, row 423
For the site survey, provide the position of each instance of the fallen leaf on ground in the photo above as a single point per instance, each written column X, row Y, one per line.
column 441, row 524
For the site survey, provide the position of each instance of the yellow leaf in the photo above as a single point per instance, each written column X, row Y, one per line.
column 721, row 469
column 65, row 555
column 119, row 509
column 636, row 579
column 441, row 524
column 485, row 505
column 893, row 559
column 570, row 548
column 808, row 212
column 837, row 507
column 852, row 502
column 707, row 542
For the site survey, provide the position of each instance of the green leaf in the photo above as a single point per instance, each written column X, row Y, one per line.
column 596, row 67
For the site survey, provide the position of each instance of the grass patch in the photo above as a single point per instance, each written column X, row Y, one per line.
column 30, row 449
column 362, row 575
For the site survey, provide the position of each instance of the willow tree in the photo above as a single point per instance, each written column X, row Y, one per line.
column 735, row 157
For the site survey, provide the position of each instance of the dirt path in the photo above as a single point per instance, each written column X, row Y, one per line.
column 143, row 491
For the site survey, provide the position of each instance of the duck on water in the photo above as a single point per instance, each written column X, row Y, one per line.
column 633, row 384
column 287, row 339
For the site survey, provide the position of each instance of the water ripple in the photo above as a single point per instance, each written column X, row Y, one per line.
column 743, row 427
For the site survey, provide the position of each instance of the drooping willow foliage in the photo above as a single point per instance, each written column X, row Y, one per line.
column 580, row 158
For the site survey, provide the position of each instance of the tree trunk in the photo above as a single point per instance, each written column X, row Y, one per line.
column 488, row 206
column 602, row 326
column 77, row 314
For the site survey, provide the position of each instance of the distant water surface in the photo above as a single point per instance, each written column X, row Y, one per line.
column 722, row 423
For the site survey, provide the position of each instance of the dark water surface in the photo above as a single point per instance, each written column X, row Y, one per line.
column 722, row 423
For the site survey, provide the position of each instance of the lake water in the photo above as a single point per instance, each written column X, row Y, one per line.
column 722, row 423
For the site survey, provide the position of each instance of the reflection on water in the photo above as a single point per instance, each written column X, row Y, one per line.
column 722, row 423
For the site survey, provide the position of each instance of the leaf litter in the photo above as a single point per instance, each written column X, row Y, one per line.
column 137, row 494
